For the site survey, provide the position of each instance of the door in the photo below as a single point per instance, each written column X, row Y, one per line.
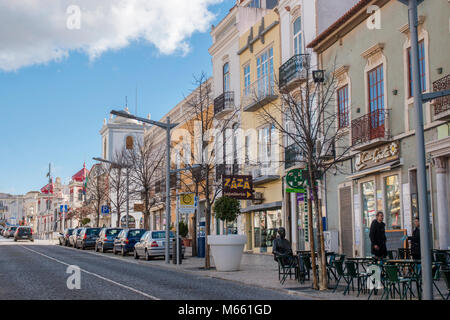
column 368, row 212
column 346, row 225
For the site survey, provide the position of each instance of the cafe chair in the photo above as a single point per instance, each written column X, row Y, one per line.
column 339, row 266
column 446, row 276
column 352, row 271
column 287, row 266
column 395, row 283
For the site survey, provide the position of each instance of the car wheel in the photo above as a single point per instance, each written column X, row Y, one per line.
column 136, row 256
column 147, row 256
column 83, row 247
column 32, row 240
column 15, row 240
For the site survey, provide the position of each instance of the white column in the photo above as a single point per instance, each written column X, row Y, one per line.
column 442, row 201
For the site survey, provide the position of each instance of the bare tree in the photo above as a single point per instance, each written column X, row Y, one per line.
column 97, row 190
column 144, row 160
column 314, row 131
column 203, row 127
column 117, row 183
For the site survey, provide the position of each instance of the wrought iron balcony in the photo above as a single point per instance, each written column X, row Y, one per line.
column 292, row 155
column 370, row 130
column 442, row 105
column 259, row 93
column 224, row 103
column 226, row 169
column 293, row 72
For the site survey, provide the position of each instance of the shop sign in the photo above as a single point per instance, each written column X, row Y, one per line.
column 377, row 156
column 238, row 187
column 138, row 207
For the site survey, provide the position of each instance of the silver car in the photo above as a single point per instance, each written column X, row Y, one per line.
column 153, row 244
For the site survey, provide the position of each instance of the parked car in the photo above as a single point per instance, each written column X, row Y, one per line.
column 87, row 238
column 73, row 237
column 23, row 233
column 106, row 239
column 126, row 240
column 152, row 244
column 10, row 232
column 63, row 238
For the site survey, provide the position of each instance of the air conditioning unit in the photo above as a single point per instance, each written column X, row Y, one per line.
column 258, row 197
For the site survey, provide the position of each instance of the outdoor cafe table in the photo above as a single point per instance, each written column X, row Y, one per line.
column 361, row 261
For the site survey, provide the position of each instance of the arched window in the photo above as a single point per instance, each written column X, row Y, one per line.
column 80, row 195
column 226, row 77
column 297, row 36
column 129, row 143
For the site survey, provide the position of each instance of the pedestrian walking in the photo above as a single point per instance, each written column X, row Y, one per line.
column 378, row 236
column 415, row 240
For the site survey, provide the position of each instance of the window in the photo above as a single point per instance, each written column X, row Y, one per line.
column 129, row 143
column 80, row 195
column 265, row 139
column 422, row 69
column 247, row 82
column 254, row 4
column 247, row 149
column 226, row 77
column 342, row 96
column 297, row 36
column 376, row 89
column 264, row 64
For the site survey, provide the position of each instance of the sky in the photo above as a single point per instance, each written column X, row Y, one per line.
column 65, row 64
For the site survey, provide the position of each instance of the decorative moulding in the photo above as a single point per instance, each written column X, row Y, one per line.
column 375, row 49
column 405, row 28
column 341, row 71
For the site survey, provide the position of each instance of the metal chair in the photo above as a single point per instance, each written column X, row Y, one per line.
column 287, row 266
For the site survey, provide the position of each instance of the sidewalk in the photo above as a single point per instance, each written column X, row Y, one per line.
column 257, row 270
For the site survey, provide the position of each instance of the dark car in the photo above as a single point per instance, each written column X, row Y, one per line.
column 87, row 238
column 126, row 240
column 23, row 233
column 63, row 238
column 106, row 239
column 73, row 237
column 10, row 232
column 153, row 243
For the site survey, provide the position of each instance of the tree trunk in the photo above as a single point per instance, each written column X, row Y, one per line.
column 311, row 242
column 321, row 244
column 118, row 216
column 194, row 237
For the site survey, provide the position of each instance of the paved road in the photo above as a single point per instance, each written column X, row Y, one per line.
column 34, row 271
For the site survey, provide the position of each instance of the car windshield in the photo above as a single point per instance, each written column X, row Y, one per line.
column 136, row 233
column 70, row 231
column 161, row 235
column 93, row 231
column 113, row 232
column 13, row 228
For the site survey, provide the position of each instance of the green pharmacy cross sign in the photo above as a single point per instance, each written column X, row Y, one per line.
column 296, row 179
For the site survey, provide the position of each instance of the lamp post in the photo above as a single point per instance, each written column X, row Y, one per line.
column 167, row 126
column 127, row 167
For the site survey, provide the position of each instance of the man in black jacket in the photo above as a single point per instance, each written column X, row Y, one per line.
column 378, row 237
column 415, row 240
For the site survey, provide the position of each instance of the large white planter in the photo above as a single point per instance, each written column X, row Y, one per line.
column 227, row 251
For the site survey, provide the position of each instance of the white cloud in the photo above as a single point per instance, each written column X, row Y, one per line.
column 36, row 32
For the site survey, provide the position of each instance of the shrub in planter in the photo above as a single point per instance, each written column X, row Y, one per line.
column 183, row 229
column 227, row 209
column 85, row 221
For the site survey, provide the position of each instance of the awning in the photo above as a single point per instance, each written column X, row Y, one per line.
column 384, row 167
column 264, row 206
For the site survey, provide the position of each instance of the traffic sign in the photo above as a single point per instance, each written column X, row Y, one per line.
column 186, row 203
column 292, row 190
column 105, row 209
column 238, row 187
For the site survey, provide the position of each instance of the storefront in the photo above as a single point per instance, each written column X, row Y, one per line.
column 261, row 225
column 376, row 187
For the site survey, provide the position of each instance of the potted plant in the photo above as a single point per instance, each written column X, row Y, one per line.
column 227, row 249
column 184, row 230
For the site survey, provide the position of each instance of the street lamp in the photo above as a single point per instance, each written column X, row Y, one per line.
column 318, row 76
column 117, row 165
column 167, row 126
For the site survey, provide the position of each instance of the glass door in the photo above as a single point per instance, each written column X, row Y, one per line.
column 368, row 212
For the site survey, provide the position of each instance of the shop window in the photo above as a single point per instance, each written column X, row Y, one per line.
column 392, row 198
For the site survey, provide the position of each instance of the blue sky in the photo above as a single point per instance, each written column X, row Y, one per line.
column 53, row 112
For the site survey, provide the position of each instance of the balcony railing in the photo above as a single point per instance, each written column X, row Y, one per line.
column 370, row 127
column 226, row 169
column 442, row 105
column 292, row 155
column 224, row 102
column 294, row 70
column 259, row 93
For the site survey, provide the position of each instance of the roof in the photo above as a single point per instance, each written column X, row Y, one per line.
column 80, row 175
column 346, row 17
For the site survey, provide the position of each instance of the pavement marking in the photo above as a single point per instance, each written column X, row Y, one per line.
column 96, row 275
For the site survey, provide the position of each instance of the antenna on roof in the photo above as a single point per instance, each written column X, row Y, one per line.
column 126, row 101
